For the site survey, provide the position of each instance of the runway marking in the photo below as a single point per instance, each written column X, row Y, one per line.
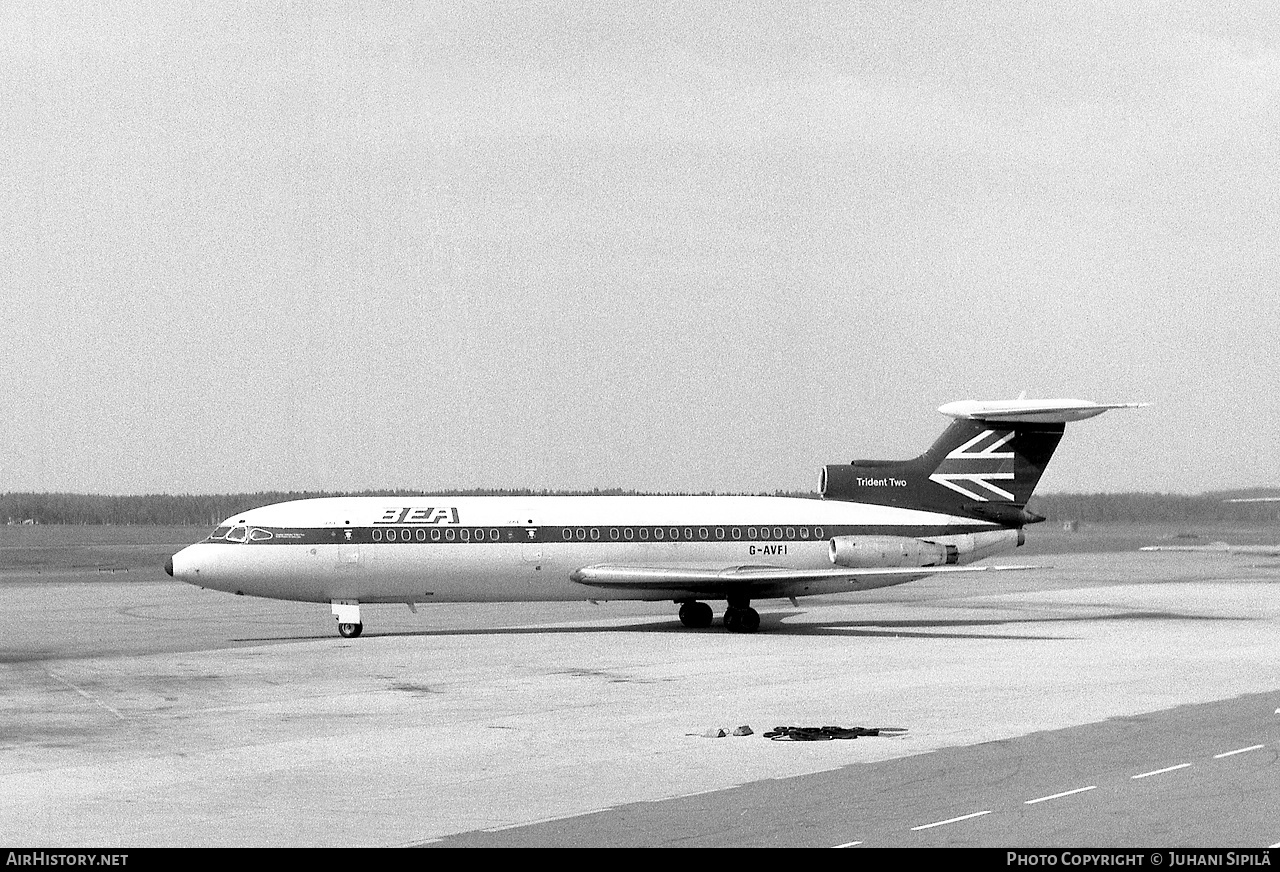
column 1237, row 751
column 1160, row 771
column 702, row 792
column 847, row 845
column 547, row 820
column 1060, row 795
column 84, row 693
column 963, row 817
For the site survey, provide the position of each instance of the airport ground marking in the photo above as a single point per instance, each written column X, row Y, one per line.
column 1159, row 771
column 1237, row 751
column 847, row 845
column 547, row 820
column 1060, row 795
column 698, row 792
column 963, row 817
column 84, row 693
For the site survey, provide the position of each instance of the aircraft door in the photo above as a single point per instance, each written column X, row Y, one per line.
column 533, row 555
column 348, row 550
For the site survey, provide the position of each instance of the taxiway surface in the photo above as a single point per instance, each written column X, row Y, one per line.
column 146, row 712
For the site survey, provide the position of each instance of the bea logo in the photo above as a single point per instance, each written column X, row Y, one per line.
column 419, row 515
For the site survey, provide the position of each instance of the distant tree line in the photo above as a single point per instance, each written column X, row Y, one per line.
column 1155, row 508
column 203, row 509
column 209, row 509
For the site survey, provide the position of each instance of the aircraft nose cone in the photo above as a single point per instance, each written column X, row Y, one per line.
column 168, row 566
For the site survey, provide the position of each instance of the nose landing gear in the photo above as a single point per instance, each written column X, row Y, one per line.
column 348, row 614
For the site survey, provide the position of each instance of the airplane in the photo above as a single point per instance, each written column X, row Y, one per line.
column 1220, row 548
column 878, row 523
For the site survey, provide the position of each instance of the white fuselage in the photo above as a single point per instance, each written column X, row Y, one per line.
column 503, row 549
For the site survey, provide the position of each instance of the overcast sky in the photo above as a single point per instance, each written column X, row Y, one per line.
column 660, row 246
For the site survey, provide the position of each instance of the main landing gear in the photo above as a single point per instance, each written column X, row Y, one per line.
column 739, row 617
column 741, row 620
column 696, row 615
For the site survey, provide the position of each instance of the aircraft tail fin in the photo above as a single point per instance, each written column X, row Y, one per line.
column 984, row 465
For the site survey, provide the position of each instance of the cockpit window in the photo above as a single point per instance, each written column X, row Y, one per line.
column 258, row 535
column 220, row 533
column 238, row 534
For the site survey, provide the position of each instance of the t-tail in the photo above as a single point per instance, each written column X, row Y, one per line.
column 985, row 465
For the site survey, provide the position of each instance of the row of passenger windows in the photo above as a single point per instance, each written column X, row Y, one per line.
column 436, row 534
column 599, row 534
column 628, row 534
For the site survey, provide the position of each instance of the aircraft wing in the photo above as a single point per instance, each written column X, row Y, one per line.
column 763, row 580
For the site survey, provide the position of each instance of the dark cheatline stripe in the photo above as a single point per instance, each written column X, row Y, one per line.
column 408, row 534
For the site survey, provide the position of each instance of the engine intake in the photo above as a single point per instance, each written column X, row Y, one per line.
column 870, row 552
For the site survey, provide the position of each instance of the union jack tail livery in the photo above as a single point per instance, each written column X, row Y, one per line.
column 985, row 465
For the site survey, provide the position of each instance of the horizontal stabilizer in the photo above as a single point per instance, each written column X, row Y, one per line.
column 1031, row 411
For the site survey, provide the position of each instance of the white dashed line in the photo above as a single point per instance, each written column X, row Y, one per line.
column 546, row 820
column 93, row 699
column 847, row 845
column 1060, row 795
column 1237, row 751
column 1160, row 771
column 953, row 820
